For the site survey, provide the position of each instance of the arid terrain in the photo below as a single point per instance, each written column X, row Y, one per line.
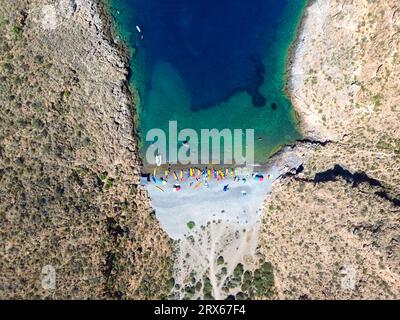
column 333, row 230
column 69, row 169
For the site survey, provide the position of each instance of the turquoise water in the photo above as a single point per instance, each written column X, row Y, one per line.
column 212, row 64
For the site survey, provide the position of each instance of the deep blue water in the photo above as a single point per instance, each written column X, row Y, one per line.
column 203, row 55
column 214, row 45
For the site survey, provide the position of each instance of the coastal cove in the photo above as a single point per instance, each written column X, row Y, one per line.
column 84, row 215
column 208, row 65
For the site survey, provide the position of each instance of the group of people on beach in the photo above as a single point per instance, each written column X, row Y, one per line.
column 201, row 177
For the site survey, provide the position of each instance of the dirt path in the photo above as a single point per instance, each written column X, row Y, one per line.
column 200, row 253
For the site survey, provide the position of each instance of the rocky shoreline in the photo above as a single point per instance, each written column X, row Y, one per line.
column 341, row 83
column 290, row 61
column 295, row 73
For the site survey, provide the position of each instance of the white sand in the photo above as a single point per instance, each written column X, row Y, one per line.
column 226, row 223
column 175, row 209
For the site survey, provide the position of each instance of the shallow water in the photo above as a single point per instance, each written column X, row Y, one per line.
column 212, row 64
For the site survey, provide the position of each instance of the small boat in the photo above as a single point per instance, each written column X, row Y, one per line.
column 158, row 160
column 138, row 29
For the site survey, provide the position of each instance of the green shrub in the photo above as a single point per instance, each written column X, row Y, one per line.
column 190, row 225
column 66, row 94
column 17, row 32
column 170, row 284
column 239, row 269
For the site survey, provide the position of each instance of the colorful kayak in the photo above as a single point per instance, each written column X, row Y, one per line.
column 198, row 185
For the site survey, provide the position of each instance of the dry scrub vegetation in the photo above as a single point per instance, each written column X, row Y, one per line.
column 345, row 86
